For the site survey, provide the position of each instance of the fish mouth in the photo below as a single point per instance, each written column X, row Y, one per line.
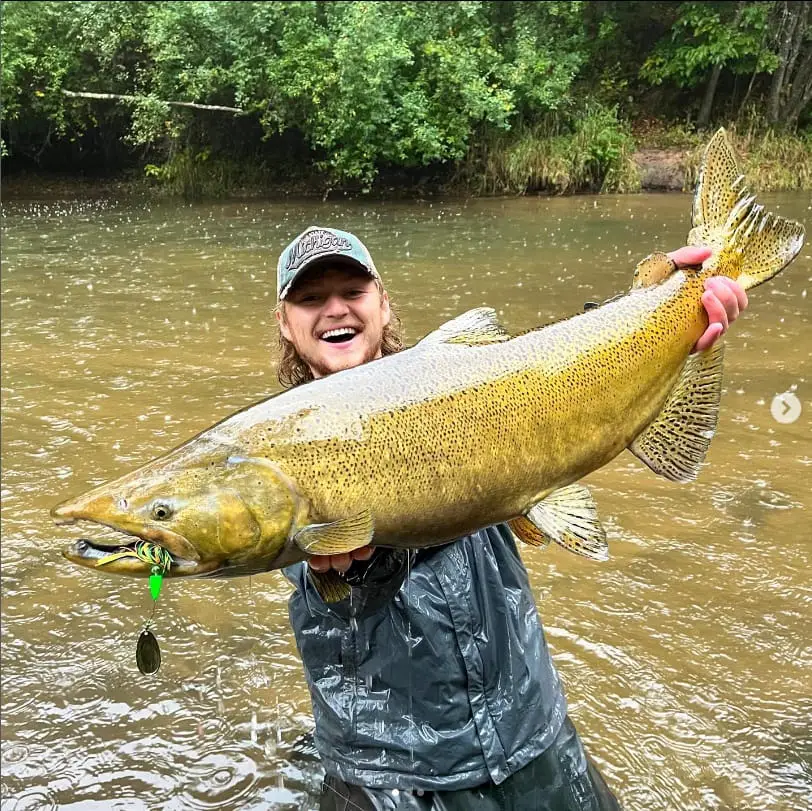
column 124, row 546
column 87, row 553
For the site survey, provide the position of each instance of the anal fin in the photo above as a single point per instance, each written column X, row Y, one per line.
column 525, row 530
column 675, row 444
column 569, row 517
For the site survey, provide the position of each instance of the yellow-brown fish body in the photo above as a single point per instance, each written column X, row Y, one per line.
column 468, row 428
column 442, row 439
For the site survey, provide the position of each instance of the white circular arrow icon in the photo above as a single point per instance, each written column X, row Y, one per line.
column 785, row 408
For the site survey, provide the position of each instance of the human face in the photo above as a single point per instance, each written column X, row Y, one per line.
column 335, row 319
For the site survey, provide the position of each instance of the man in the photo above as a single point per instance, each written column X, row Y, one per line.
column 432, row 685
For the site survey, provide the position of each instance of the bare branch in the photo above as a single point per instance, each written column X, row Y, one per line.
column 117, row 97
column 802, row 20
column 784, row 38
column 801, row 92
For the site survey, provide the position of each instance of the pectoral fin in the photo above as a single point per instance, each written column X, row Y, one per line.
column 569, row 517
column 330, row 585
column 675, row 444
column 336, row 537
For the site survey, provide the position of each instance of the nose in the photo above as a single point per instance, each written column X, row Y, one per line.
column 335, row 307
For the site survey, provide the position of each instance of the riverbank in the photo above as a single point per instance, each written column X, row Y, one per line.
column 526, row 165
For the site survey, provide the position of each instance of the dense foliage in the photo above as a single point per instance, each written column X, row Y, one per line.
column 348, row 90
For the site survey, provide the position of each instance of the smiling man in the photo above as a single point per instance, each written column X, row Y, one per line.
column 438, row 694
column 340, row 319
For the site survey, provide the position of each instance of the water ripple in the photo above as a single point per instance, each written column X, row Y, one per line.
column 128, row 327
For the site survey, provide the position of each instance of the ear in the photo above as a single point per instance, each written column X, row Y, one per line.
column 385, row 310
column 283, row 324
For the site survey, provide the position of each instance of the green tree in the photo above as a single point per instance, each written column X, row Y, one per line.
column 707, row 38
column 791, row 87
column 52, row 47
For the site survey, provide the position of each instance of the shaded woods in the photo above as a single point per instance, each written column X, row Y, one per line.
column 211, row 98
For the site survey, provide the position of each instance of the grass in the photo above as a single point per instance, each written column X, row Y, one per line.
column 198, row 174
column 592, row 152
column 770, row 159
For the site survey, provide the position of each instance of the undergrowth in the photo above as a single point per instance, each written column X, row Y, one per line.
column 592, row 152
column 772, row 160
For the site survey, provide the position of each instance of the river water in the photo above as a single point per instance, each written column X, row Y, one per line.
column 129, row 326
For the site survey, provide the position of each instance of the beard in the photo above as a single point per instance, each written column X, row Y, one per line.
column 322, row 366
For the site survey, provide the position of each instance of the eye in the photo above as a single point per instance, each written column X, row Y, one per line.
column 161, row 511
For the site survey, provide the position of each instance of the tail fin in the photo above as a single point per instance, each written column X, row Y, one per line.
column 749, row 244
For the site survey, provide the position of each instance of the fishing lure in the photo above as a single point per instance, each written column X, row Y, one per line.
column 147, row 650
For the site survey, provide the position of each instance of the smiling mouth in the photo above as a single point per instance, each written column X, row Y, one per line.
column 342, row 335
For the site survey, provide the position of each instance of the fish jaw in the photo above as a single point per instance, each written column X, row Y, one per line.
column 90, row 555
column 101, row 510
column 106, row 510
column 223, row 517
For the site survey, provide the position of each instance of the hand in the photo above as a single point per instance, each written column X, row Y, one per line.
column 723, row 298
column 323, row 563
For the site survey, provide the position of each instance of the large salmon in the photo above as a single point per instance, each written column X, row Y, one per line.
column 468, row 428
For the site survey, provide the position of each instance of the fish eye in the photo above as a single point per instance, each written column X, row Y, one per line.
column 161, row 511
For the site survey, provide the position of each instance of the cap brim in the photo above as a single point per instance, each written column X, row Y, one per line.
column 335, row 260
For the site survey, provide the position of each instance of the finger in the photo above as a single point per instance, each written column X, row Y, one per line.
column 738, row 291
column 733, row 286
column 364, row 553
column 341, row 562
column 728, row 300
column 319, row 563
column 709, row 337
column 715, row 309
column 690, row 255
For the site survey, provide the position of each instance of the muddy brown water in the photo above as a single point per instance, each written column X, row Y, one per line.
column 127, row 327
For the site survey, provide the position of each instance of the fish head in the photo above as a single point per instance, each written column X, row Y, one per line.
column 219, row 516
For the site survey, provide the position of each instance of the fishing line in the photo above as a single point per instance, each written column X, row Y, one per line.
column 409, row 643
column 347, row 801
column 147, row 650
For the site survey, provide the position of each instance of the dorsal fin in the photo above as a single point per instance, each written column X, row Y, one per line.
column 655, row 268
column 473, row 328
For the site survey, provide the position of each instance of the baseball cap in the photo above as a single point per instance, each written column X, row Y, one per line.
column 316, row 245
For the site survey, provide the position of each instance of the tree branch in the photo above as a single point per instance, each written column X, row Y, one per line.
column 802, row 18
column 784, row 39
column 801, row 91
column 82, row 94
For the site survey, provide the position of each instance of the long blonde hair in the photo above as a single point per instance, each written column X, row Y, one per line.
column 293, row 371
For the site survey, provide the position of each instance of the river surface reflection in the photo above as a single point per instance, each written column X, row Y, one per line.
column 128, row 326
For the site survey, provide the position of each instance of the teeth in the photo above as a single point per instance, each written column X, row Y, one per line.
column 332, row 333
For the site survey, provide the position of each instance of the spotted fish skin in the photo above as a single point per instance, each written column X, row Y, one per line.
column 468, row 428
column 463, row 436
